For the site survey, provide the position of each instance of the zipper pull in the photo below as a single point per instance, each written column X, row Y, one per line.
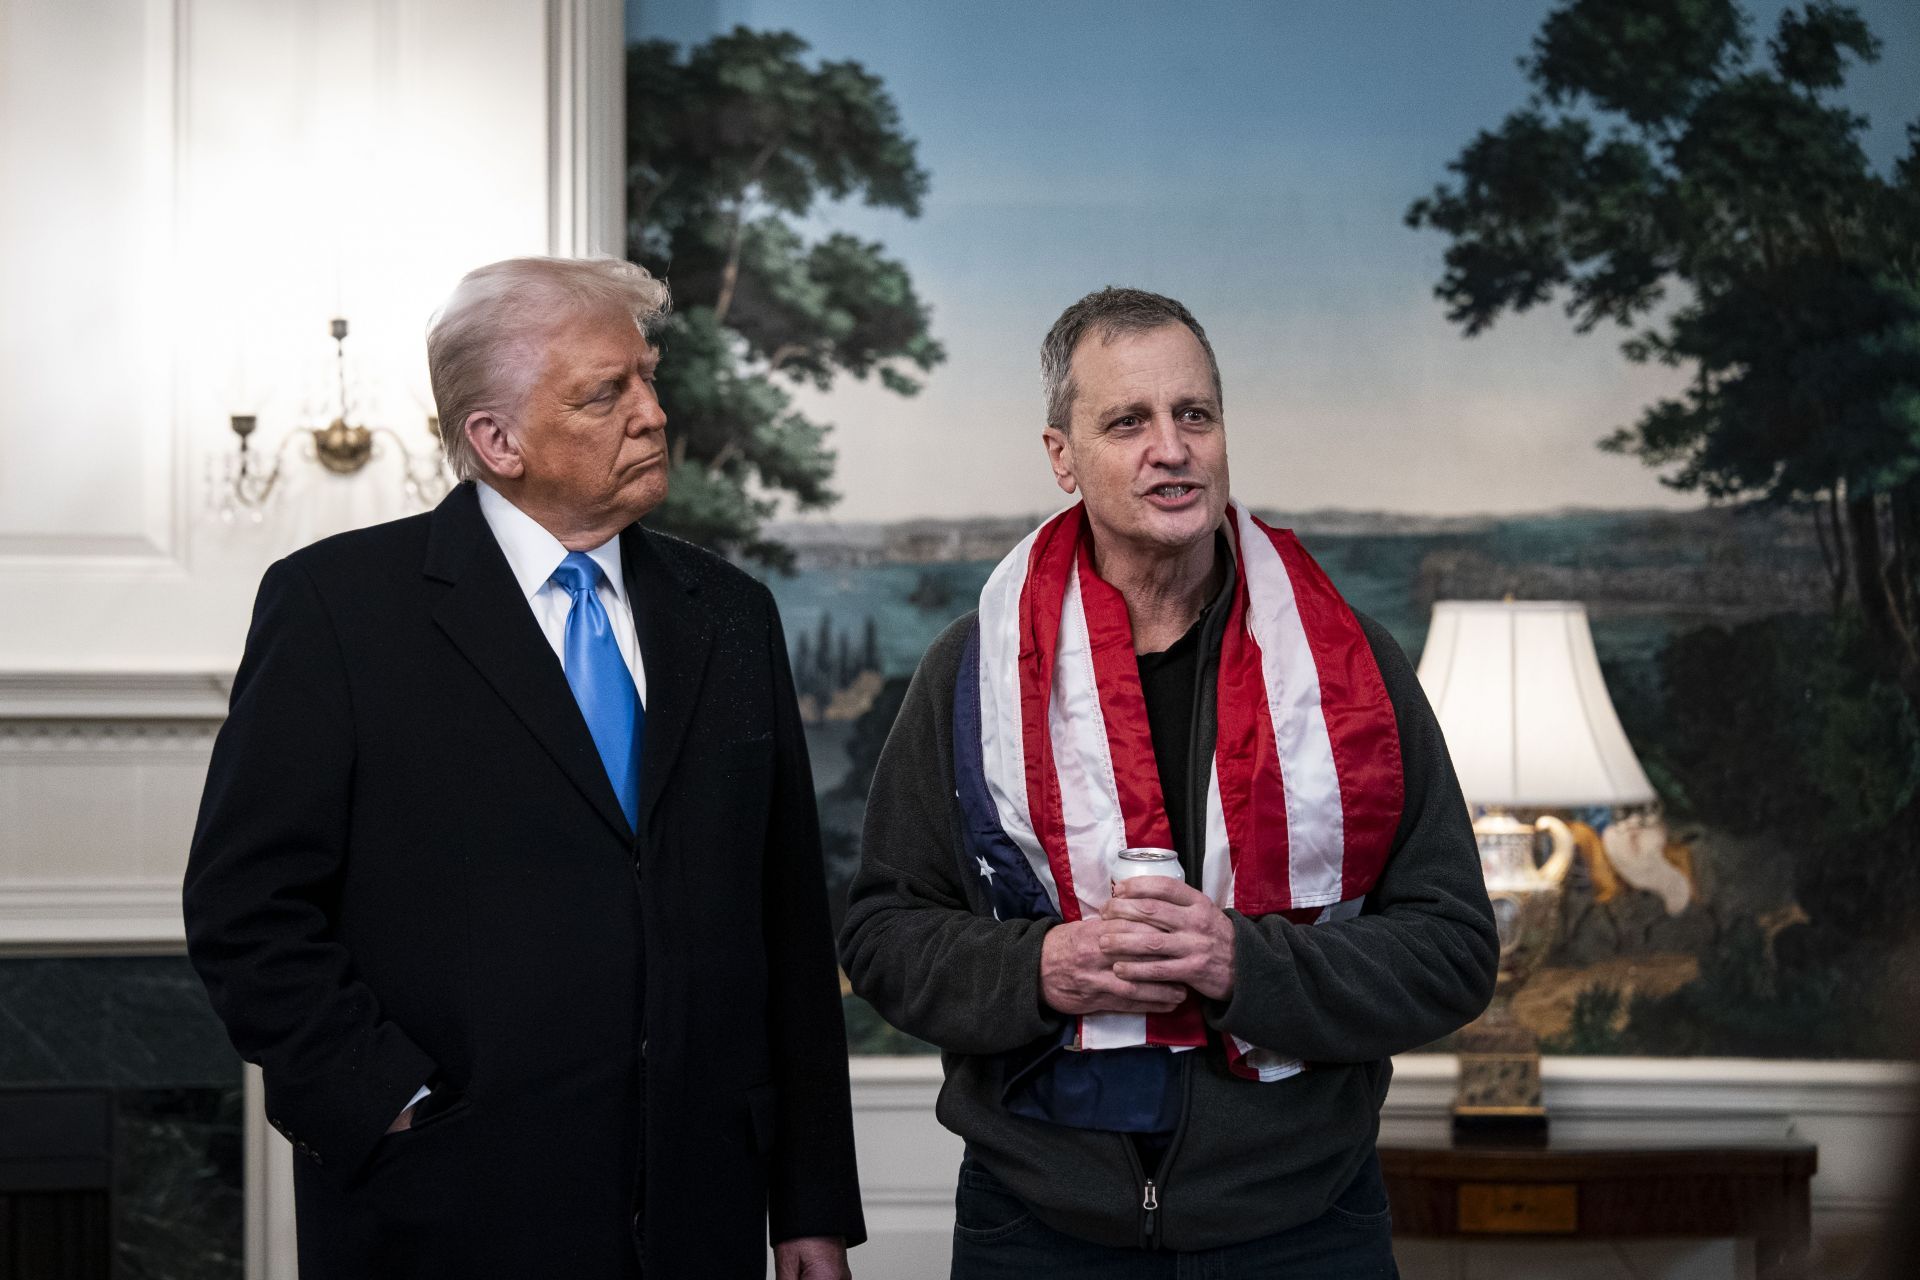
column 1152, row 1200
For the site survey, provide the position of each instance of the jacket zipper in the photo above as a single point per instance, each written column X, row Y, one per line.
column 1151, row 1187
column 1204, row 685
column 1149, row 1194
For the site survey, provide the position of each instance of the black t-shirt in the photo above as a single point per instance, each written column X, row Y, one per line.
column 1167, row 679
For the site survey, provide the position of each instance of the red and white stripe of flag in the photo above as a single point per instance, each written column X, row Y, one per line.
column 1305, row 786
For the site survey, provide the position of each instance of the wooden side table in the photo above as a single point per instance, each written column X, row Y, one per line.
column 1592, row 1190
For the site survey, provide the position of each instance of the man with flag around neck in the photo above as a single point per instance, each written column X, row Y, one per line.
column 1165, row 1071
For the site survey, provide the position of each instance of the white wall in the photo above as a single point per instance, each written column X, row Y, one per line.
column 192, row 190
column 189, row 191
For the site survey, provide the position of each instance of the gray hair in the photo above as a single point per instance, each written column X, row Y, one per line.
column 486, row 343
column 1107, row 315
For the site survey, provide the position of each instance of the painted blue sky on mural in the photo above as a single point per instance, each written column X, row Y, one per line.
column 1254, row 160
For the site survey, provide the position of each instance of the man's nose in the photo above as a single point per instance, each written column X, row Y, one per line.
column 648, row 415
column 1166, row 447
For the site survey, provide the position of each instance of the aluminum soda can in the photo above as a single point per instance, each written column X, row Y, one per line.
column 1146, row 862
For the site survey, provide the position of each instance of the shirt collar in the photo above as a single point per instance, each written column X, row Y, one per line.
column 533, row 553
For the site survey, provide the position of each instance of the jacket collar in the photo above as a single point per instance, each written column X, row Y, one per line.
column 676, row 636
column 486, row 616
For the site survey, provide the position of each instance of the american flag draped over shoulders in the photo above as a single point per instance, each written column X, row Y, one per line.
column 1054, row 763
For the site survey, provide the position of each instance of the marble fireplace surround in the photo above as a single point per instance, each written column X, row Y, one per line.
column 124, row 1086
column 100, row 775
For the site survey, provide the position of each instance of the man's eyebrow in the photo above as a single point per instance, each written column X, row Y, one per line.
column 1119, row 409
column 613, row 374
column 1144, row 408
column 591, row 386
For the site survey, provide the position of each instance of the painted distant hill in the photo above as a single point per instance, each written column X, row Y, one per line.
column 1714, row 560
column 839, row 543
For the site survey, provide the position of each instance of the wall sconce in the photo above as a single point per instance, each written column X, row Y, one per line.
column 241, row 482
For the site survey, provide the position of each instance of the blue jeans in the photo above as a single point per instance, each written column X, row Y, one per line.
column 996, row 1237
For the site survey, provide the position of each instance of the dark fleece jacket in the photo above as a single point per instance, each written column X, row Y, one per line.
column 1249, row 1159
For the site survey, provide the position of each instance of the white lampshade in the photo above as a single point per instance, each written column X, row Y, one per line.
column 1526, row 714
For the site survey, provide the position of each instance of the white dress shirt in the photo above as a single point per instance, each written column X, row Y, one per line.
column 533, row 554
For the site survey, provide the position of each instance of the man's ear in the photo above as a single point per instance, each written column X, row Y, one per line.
column 494, row 445
column 1060, row 457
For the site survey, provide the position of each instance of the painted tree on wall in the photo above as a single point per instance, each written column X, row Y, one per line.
column 1711, row 195
column 730, row 146
column 1666, row 176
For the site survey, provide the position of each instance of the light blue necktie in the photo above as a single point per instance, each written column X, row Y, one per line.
column 601, row 682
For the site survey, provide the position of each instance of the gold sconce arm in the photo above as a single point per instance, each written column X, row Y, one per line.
column 426, row 479
column 252, row 486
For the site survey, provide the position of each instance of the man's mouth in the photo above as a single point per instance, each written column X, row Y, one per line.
column 1172, row 493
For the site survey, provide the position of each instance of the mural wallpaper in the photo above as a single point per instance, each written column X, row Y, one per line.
column 1707, row 263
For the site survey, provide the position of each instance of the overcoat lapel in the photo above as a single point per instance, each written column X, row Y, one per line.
column 488, row 620
column 675, row 638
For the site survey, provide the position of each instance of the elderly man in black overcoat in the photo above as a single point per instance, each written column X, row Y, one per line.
column 508, row 872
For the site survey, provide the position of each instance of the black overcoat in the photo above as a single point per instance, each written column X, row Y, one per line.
column 409, row 864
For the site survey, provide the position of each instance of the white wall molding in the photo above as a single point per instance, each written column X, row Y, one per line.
column 96, row 384
column 587, row 198
column 118, row 742
column 100, row 775
column 113, row 695
column 1662, row 1089
column 77, row 917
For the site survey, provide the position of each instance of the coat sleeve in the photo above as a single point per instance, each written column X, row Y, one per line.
column 1417, row 963
column 813, row 1188
column 912, row 945
column 262, row 887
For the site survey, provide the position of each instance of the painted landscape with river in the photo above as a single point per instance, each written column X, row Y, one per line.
column 1782, row 771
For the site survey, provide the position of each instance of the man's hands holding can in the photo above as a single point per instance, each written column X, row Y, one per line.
column 1077, row 977
column 1155, row 929
column 1156, row 937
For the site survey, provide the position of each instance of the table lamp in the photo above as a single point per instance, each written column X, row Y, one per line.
column 1518, row 691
